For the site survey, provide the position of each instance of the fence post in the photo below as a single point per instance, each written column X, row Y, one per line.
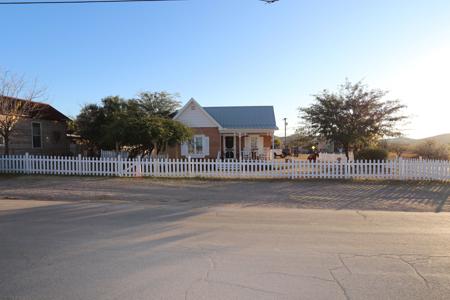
column 79, row 171
column 401, row 171
column 119, row 166
column 139, row 168
column 27, row 163
column 189, row 166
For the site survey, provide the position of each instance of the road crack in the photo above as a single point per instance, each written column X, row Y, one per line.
column 299, row 275
column 411, row 265
column 341, row 286
column 244, row 287
column 344, row 264
column 399, row 257
column 361, row 214
column 204, row 278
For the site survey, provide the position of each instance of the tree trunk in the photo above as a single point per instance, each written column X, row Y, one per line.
column 346, row 150
column 6, row 140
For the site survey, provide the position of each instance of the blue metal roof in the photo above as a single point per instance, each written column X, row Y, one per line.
column 250, row 117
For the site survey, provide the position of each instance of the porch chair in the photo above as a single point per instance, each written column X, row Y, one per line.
column 246, row 154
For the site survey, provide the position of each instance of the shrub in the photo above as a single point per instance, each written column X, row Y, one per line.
column 371, row 154
column 432, row 150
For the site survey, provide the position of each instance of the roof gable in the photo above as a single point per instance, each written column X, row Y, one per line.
column 193, row 115
column 39, row 110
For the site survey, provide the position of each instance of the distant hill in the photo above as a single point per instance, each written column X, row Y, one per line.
column 439, row 139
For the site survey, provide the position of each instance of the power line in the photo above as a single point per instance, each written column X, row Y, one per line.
column 78, row 2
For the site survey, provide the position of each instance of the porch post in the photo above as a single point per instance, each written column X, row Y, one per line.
column 273, row 140
column 221, row 145
column 234, row 145
column 240, row 147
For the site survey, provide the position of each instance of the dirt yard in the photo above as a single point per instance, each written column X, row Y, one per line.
column 315, row 194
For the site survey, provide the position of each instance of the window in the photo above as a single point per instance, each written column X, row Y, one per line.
column 196, row 145
column 254, row 142
column 2, row 141
column 36, row 135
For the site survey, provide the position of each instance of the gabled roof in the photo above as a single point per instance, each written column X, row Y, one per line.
column 190, row 102
column 40, row 110
column 241, row 117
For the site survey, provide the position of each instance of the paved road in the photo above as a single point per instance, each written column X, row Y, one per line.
column 91, row 248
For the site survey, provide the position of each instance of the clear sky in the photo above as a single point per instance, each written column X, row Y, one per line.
column 236, row 52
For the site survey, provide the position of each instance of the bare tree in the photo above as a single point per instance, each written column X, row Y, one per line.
column 16, row 102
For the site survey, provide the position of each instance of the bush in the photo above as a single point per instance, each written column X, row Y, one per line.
column 432, row 150
column 371, row 154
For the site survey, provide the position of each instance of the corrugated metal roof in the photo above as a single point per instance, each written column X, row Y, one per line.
column 251, row 117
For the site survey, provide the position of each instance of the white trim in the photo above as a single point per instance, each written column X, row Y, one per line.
column 197, row 155
column 192, row 101
column 32, row 135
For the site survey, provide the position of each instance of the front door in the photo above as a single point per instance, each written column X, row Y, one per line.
column 229, row 147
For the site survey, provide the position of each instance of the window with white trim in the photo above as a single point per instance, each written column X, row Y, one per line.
column 195, row 145
column 36, row 133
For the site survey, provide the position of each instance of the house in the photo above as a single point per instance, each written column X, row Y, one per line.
column 230, row 132
column 41, row 131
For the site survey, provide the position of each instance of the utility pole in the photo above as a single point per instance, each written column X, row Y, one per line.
column 285, row 138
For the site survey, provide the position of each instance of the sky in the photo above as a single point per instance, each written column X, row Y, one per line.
column 236, row 52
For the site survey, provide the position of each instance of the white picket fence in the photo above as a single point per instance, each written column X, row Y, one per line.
column 293, row 169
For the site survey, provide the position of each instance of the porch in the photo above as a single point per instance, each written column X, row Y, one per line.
column 246, row 145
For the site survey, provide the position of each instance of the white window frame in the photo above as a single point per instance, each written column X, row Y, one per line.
column 254, row 142
column 193, row 142
column 32, row 135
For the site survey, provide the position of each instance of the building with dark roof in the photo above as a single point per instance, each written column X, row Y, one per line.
column 41, row 130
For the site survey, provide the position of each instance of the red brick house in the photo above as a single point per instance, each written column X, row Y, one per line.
column 239, row 132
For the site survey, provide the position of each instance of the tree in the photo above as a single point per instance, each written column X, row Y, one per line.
column 277, row 142
column 302, row 139
column 161, row 104
column 396, row 147
column 16, row 103
column 155, row 133
column 432, row 150
column 138, row 125
column 353, row 117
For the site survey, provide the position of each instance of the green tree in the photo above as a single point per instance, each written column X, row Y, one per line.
column 149, row 133
column 353, row 117
column 135, row 125
column 277, row 142
column 161, row 104
column 103, row 126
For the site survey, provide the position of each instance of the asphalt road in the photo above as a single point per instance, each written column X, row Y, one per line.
column 77, row 246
